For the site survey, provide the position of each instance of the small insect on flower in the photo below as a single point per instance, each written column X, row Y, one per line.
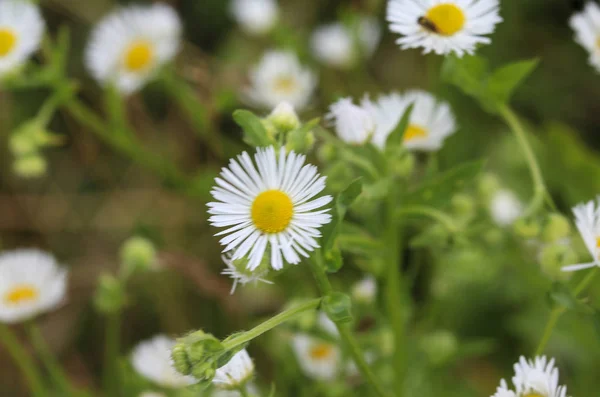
column 533, row 378
column 586, row 25
column 236, row 373
column 129, row 46
column 317, row 358
column 443, row 26
column 271, row 204
column 152, row 359
column 587, row 220
column 31, row 283
column 21, row 31
column 255, row 17
column 279, row 77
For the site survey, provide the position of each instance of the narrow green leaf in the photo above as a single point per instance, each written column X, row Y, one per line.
column 297, row 139
column 342, row 202
column 468, row 73
column 505, row 80
column 397, row 136
column 255, row 133
column 561, row 295
column 338, row 307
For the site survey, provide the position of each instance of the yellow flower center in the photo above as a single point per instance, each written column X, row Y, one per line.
column 321, row 351
column 414, row 132
column 20, row 294
column 447, row 18
column 7, row 41
column 285, row 85
column 272, row 211
column 139, row 56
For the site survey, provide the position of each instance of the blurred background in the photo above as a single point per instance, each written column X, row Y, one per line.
column 92, row 198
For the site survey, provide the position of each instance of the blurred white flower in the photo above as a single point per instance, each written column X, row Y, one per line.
column 327, row 325
column 255, row 17
column 152, row 394
column 272, row 205
column 279, row 77
column 587, row 219
column 21, row 31
column 533, row 378
column 386, row 112
column 129, row 45
column 335, row 44
column 318, row 359
column 31, row 283
column 505, row 208
column 152, row 359
column 236, row 373
column 352, row 123
column 586, row 25
column 365, row 290
column 242, row 275
column 443, row 26
column 284, row 117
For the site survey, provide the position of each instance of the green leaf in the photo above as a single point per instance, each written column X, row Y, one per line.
column 468, row 73
column 338, row 307
column 355, row 240
column 333, row 260
column 397, row 136
column 560, row 295
column 436, row 191
column 505, row 80
column 297, row 139
column 255, row 133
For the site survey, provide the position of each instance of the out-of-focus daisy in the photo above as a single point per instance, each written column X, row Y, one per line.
column 505, row 208
column 586, row 25
column 241, row 275
column 255, row 17
column 31, row 283
column 152, row 359
column 279, row 77
column 21, row 31
column 352, row 123
column 129, row 46
column 336, row 45
column 236, row 373
column 533, row 378
column 386, row 113
column 317, row 358
column 365, row 290
column 152, row 394
column 327, row 325
column 587, row 220
column 443, row 26
column 269, row 203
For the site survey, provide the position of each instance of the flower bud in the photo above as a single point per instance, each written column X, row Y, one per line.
column 527, row 228
column 137, row 254
column 327, row 153
column 557, row 227
column 463, row 205
column 284, row 118
column 554, row 257
column 404, row 165
column 180, row 359
column 21, row 144
column 488, row 185
column 30, row 166
column 110, row 295
column 439, row 346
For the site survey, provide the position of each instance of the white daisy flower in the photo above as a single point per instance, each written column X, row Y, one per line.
column 241, row 275
column 129, row 45
column 152, row 359
column 152, row 394
column 236, row 373
column 334, row 44
column 505, row 208
column 443, row 26
column 365, row 290
column 587, row 220
column 21, row 31
column 271, row 204
column 386, row 113
column 586, row 25
column 318, row 359
column 279, row 77
column 327, row 325
column 31, row 283
column 255, row 17
column 352, row 123
column 533, row 378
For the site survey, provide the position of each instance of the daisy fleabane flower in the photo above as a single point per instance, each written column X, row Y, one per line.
column 21, row 31
column 586, row 25
column 533, row 378
column 241, row 275
column 317, row 358
column 280, row 77
column 255, row 17
column 129, row 45
column 152, row 359
column 443, row 26
column 236, row 373
column 31, row 283
column 505, row 208
column 269, row 203
column 587, row 220
column 352, row 123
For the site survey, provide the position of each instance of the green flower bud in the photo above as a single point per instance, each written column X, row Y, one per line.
column 110, row 295
column 30, row 166
column 527, row 228
column 202, row 347
column 284, row 118
column 386, row 342
column 493, row 236
column 463, row 205
column 22, row 144
column 180, row 359
column 327, row 153
column 488, row 185
column 137, row 254
column 554, row 257
column 439, row 346
column 557, row 227
column 404, row 165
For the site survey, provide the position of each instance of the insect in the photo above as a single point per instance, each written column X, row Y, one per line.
column 427, row 24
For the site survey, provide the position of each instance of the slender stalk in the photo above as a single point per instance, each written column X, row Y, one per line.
column 111, row 353
column 54, row 368
column 346, row 336
column 433, row 213
column 244, row 391
column 25, row 363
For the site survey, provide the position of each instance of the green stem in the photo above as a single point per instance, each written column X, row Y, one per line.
column 111, row 353
column 271, row 323
column 18, row 353
column 557, row 312
column 433, row 213
column 244, row 391
column 54, row 368
column 540, row 192
column 346, row 336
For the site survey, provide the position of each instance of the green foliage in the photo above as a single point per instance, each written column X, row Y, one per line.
column 338, row 307
column 397, row 136
column 255, row 133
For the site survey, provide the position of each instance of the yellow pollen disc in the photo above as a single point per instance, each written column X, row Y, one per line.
column 447, row 18
column 20, row 294
column 7, row 41
column 414, row 132
column 138, row 56
column 272, row 211
column 285, row 85
column 320, row 351
column 598, row 242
